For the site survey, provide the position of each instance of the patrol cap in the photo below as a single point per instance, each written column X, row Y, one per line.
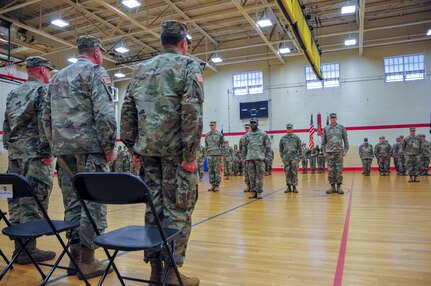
column 247, row 125
column 37, row 61
column 382, row 137
column 412, row 129
column 401, row 136
column 421, row 135
column 289, row 125
column 365, row 139
column 213, row 122
column 174, row 28
column 254, row 120
column 88, row 41
column 225, row 141
column 333, row 115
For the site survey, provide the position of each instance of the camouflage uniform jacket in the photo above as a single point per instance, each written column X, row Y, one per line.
column 305, row 153
column 313, row 152
column 396, row 150
column 200, row 155
column 162, row 110
column 23, row 131
column 241, row 147
column 236, row 155
column 82, row 119
column 320, row 153
column 412, row 146
column 257, row 146
column 333, row 138
column 382, row 150
column 426, row 148
column 228, row 153
column 290, row 147
column 366, row 152
column 214, row 143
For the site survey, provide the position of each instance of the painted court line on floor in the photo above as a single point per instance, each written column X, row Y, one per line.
column 338, row 277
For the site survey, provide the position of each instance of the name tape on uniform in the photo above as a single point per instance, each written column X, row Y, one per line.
column 6, row 191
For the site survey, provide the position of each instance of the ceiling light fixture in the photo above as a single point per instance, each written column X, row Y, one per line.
column 60, row 23
column 131, row 3
column 350, row 42
column 216, row 59
column 284, row 50
column 188, row 37
column 72, row 60
column 119, row 74
column 122, row 49
column 348, row 9
column 263, row 23
column 429, row 32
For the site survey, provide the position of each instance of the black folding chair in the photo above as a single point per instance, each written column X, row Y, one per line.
column 34, row 229
column 125, row 188
column 3, row 217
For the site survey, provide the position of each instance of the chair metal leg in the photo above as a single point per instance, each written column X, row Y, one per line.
column 171, row 265
column 114, row 266
column 111, row 262
column 5, row 258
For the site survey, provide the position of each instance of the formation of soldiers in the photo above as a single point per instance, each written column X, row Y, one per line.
column 411, row 156
column 312, row 157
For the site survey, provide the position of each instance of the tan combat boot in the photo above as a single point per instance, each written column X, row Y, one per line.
column 247, row 189
column 187, row 281
column 415, row 179
column 295, row 190
column 331, row 190
column 75, row 251
column 253, row 195
column 259, row 196
column 37, row 254
column 89, row 265
column 411, row 179
column 289, row 189
column 156, row 271
column 339, row 190
column 216, row 189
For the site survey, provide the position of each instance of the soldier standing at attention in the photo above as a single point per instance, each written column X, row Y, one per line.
column 83, row 131
column 161, row 119
column 425, row 156
column 320, row 160
column 313, row 160
column 29, row 153
column 304, row 158
column 366, row 154
column 290, row 153
column 228, row 160
column 335, row 146
column 237, row 170
column 401, row 158
column 394, row 152
column 201, row 158
column 214, row 141
column 383, row 152
column 256, row 151
column 412, row 146
column 268, row 166
column 243, row 163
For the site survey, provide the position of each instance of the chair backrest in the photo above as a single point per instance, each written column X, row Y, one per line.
column 20, row 185
column 111, row 188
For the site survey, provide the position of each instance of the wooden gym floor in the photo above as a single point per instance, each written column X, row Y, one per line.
column 378, row 233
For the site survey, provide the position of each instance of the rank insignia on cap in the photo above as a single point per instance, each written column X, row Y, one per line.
column 199, row 78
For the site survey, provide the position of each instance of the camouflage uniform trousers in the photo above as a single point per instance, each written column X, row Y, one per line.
column 402, row 164
column 67, row 167
column 366, row 166
column 304, row 163
column 424, row 164
column 321, row 163
column 291, row 172
column 201, row 170
column 256, row 170
column 237, row 167
column 397, row 164
column 134, row 169
column 228, row 168
column 246, row 173
column 413, row 165
column 268, row 167
column 335, row 168
column 214, row 170
column 22, row 210
column 384, row 164
column 175, row 193
column 313, row 162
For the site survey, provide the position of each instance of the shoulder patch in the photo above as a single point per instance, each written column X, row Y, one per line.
column 199, row 78
column 106, row 80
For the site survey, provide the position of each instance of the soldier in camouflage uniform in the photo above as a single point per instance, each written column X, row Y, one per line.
column 401, row 158
column 333, row 138
column 394, row 152
column 290, row 153
column 243, row 163
column 366, row 154
column 383, row 152
column 320, row 160
column 83, row 130
column 29, row 153
column 425, row 156
column 214, row 142
column 304, row 158
column 412, row 146
column 228, row 160
column 256, row 151
column 161, row 120
column 313, row 160
column 201, row 158
column 268, row 166
column 237, row 170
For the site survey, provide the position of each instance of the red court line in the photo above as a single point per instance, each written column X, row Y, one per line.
column 338, row 278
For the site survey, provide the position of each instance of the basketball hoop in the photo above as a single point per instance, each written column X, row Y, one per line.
column 10, row 68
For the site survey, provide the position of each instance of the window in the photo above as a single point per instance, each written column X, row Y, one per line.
column 248, row 83
column 404, row 68
column 331, row 74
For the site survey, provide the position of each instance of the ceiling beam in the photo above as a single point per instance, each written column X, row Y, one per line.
column 361, row 27
column 19, row 6
column 253, row 24
column 186, row 17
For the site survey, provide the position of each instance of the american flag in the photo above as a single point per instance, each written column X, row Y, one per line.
column 312, row 131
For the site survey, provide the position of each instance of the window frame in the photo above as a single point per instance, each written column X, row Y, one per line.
column 328, row 81
column 253, row 83
column 396, row 69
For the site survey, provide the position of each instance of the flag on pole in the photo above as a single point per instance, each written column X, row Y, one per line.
column 319, row 124
column 312, row 131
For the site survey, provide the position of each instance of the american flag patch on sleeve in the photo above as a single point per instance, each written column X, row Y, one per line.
column 199, row 78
